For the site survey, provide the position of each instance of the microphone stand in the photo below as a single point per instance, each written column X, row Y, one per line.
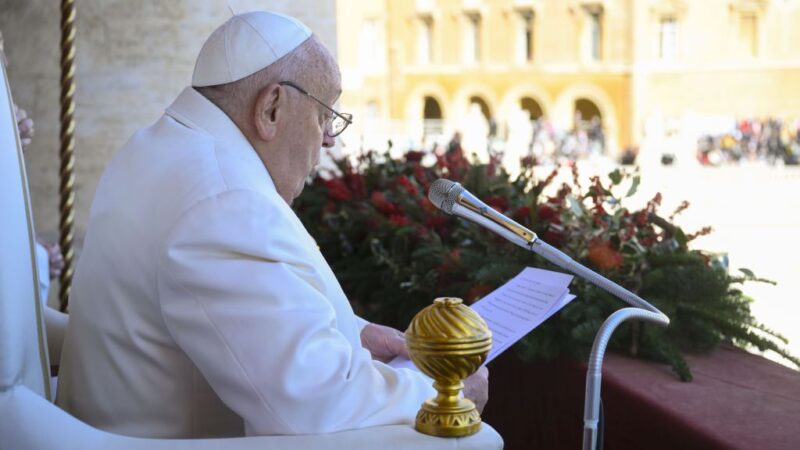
column 471, row 208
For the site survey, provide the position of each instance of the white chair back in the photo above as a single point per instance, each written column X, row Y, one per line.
column 23, row 349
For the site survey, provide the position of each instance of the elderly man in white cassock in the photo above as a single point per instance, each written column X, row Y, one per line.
column 200, row 305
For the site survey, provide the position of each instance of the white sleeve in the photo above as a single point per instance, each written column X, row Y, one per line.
column 240, row 300
column 362, row 323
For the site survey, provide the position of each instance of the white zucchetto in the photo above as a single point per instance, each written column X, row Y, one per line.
column 245, row 44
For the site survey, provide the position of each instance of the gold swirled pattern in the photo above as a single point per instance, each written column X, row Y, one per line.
column 448, row 341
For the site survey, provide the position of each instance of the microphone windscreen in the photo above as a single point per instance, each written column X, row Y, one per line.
column 444, row 193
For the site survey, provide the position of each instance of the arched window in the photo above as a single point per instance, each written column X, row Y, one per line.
column 532, row 106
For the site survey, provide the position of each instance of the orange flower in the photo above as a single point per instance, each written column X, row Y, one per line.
column 603, row 256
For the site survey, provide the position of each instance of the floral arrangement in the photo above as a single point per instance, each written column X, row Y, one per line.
column 394, row 251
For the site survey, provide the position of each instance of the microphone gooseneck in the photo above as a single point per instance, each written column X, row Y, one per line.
column 452, row 198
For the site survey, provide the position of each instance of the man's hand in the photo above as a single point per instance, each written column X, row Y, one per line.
column 476, row 388
column 384, row 343
column 24, row 126
column 55, row 259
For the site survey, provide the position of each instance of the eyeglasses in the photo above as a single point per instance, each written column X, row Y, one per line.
column 337, row 122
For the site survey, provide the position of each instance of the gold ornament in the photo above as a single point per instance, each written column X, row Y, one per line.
column 448, row 342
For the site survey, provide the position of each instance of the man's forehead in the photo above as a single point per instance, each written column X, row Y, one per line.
column 328, row 85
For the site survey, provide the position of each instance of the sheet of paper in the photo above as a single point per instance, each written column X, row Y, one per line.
column 514, row 309
column 498, row 348
column 523, row 303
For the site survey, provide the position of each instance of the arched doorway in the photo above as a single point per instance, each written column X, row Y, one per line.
column 532, row 107
column 592, row 101
column 487, row 113
column 591, row 139
column 372, row 110
column 431, row 109
column 432, row 121
column 586, row 111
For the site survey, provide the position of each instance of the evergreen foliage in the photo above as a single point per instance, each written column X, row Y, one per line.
column 394, row 252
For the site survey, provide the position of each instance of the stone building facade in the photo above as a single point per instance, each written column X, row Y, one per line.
column 421, row 63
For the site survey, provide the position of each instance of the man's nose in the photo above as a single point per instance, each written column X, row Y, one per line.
column 327, row 141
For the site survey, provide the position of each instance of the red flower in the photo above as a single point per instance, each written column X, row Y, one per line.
column 427, row 206
column 399, row 220
column 642, row 218
column 703, row 231
column 414, row 156
column 522, row 214
column 455, row 163
column 648, row 241
column 385, row 206
column 626, row 234
column 337, row 190
column 329, row 207
column 419, row 174
column 356, row 182
column 377, row 198
column 437, row 223
column 403, row 181
column 554, row 238
column 547, row 213
column 498, row 203
column 599, row 211
column 563, row 191
column 603, row 256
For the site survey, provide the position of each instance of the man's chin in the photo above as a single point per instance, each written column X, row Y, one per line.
column 297, row 194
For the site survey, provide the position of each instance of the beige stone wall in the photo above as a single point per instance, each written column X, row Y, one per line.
column 712, row 75
column 133, row 58
column 555, row 78
column 713, row 72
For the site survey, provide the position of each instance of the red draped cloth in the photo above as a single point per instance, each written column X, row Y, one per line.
column 736, row 401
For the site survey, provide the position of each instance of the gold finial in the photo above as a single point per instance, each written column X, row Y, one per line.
column 448, row 342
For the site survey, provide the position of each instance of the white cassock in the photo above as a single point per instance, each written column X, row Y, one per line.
column 202, row 307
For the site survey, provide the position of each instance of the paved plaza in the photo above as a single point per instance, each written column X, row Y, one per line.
column 755, row 212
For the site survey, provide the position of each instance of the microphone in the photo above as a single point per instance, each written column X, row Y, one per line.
column 452, row 198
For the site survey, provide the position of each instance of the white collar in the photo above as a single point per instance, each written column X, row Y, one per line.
column 195, row 111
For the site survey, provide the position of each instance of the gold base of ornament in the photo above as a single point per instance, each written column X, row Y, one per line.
column 448, row 416
column 462, row 420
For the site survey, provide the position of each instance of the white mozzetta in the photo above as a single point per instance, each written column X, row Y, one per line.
column 200, row 298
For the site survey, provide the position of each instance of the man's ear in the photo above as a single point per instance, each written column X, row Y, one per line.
column 268, row 109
